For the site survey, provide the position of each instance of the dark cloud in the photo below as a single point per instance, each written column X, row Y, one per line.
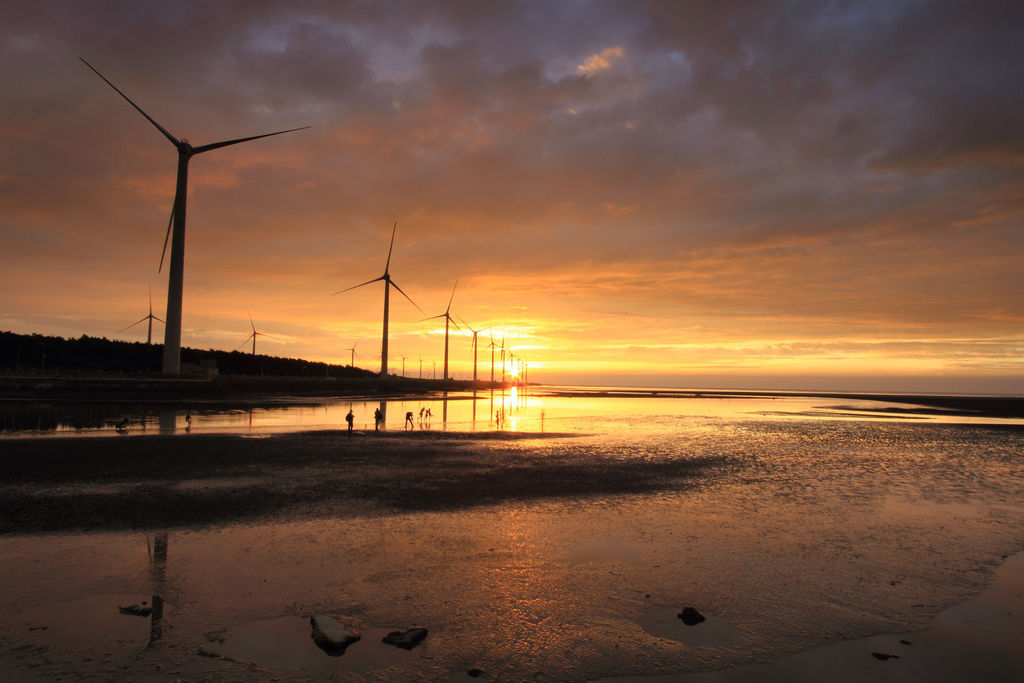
column 866, row 156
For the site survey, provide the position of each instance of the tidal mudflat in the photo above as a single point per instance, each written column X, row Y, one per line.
column 562, row 552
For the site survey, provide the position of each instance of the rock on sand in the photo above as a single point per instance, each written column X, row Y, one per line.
column 331, row 635
column 406, row 640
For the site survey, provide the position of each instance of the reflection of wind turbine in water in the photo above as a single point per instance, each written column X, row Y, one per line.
column 447, row 321
column 388, row 284
column 150, row 318
column 158, row 570
column 176, row 279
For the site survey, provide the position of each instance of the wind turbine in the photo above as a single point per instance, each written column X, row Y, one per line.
column 352, row 362
column 252, row 336
column 176, row 278
column 492, row 346
column 447, row 320
column 503, row 361
column 475, row 333
column 150, row 318
column 388, row 284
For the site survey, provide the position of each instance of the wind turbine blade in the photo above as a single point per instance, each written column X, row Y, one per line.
column 387, row 263
column 451, row 297
column 142, row 320
column 245, row 342
column 167, row 237
column 226, row 143
column 252, row 325
column 454, row 324
column 149, row 118
column 423, row 320
column 368, row 282
column 392, row 283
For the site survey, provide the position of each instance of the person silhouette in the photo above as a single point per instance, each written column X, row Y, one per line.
column 350, row 418
column 377, row 417
column 408, row 420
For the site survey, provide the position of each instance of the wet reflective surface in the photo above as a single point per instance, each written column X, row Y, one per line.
column 797, row 529
column 538, row 409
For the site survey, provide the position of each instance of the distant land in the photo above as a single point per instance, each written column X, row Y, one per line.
column 57, row 367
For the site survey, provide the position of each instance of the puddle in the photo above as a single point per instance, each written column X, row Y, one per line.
column 96, row 622
column 286, row 643
column 712, row 632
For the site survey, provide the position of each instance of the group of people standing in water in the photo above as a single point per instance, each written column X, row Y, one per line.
column 378, row 419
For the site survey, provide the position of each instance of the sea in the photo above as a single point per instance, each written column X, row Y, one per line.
column 810, row 521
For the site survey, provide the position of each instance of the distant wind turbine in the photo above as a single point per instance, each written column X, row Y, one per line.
column 388, row 284
column 475, row 333
column 352, row 362
column 492, row 346
column 176, row 278
column 252, row 336
column 447, row 321
column 150, row 318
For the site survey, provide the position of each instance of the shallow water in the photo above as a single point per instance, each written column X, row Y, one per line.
column 540, row 409
column 803, row 528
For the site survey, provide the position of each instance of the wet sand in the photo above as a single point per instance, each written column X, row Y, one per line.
column 92, row 484
column 977, row 640
column 526, row 554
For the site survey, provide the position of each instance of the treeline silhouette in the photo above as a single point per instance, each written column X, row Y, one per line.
column 35, row 353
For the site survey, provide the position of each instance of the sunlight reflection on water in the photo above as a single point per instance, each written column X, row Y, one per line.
column 542, row 410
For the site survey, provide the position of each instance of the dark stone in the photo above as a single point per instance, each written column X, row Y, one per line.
column 883, row 656
column 690, row 616
column 331, row 635
column 406, row 640
column 136, row 610
column 475, row 673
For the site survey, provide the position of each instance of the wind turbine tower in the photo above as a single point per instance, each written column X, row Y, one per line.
column 388, row 284
column 176, row 278
column 447, row 321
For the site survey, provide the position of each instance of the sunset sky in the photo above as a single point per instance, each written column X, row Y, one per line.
column 795, row 195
